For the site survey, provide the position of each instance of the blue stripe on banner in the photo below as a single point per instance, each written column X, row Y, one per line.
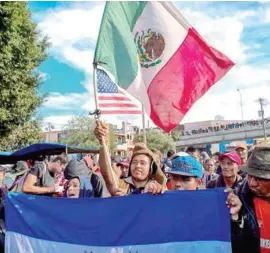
column 180, row 216
column 17, row 243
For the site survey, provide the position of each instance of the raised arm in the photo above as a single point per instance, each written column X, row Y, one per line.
column 110, row 177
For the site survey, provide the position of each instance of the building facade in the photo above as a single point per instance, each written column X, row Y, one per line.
column 124, row 138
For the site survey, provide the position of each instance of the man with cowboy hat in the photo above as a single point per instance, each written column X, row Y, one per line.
column 144, row 173
column 251, row 232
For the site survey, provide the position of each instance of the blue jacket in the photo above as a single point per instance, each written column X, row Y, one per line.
column 86, row 188
column 247, row 238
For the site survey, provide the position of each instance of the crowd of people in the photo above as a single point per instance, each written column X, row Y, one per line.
column 245, row 176
column 222, row 127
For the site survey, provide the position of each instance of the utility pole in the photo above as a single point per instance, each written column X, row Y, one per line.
column 241, row 104
column 261, row 113
column 49, row 129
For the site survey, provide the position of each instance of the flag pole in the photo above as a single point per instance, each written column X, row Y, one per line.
column 95, row 86
column 97, row 116
column 144, row 128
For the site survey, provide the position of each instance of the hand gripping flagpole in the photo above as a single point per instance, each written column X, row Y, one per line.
column 97, row 114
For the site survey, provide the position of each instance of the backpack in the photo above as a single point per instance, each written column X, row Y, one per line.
column 18, row 184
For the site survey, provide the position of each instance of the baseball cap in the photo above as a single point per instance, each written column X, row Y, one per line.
column 186, row 165
column 232, row 156
column 243, row 146
column 22, row 166
column 123, row 163
column 258, row 164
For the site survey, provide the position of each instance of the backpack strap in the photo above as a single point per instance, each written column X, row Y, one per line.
column 42, row 174
column 19, row 184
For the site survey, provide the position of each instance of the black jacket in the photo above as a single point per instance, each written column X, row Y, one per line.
column 219, row 182
column 246, row 238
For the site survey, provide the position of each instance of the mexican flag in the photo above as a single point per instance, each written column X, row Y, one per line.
column 151, row 51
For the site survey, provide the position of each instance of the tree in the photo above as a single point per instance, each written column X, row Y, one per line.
column 176, row 135
column 80, row 132
column 157, row 140
column 27, row 134
column 22, row 49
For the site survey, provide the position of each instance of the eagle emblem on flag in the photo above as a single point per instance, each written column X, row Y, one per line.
column 150, row 46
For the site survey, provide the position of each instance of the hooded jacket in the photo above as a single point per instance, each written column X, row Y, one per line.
column 77, row 168
column 86, row 188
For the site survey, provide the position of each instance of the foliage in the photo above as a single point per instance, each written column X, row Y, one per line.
column 157, row 140
column 176, row 135
column 80, row 132
column 21, row 51
column 22, row 136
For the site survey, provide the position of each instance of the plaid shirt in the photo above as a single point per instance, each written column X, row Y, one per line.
column 61, row 181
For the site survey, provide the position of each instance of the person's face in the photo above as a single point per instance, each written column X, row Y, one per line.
column 124, row 171
column 59, row 167
column 209, row 166
column 73, row 189
column 216, row 158
column 184, row 182
column 140, row 167
column 229, row 168
column 242, row 153
column 260, row 187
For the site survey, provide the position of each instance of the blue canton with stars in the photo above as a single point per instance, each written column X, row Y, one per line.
column 104, row 83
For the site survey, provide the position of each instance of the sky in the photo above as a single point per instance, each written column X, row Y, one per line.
column 241, row 30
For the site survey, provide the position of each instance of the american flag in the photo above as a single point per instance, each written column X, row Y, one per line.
column 111, row 100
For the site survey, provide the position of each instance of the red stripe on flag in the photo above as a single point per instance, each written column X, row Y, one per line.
column 121, row 112
column 113, row 98
column 191, row 71
column 117, row 105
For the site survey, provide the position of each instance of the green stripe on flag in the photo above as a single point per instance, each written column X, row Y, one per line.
column 115, row 49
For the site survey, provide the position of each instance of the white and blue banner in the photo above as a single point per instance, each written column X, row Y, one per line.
column 175, row 222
